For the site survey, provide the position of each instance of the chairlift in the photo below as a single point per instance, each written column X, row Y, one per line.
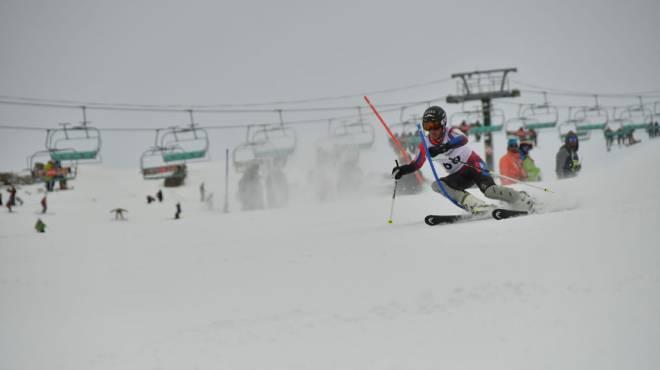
column 539, row 116
column 572, row 125
column 638, row 117
column 656, row 111
column 184, row 143
column 154, row 167
column 591, row 117
column 153, row 163
column 265, row 143
column 512, row 125
column 616, row 124
column 273, row 141
column 74, row 143
column 359, row 134
column 406, row 133
column 243, row 156
column 475, row 118
column 41, row 171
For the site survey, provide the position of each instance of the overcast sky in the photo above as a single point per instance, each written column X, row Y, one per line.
column 216, row 52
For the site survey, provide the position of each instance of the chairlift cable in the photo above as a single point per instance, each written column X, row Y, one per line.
column 555, row 91
column 164, row 109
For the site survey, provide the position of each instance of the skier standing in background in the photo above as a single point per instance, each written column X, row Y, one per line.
column 44, row 204
column 177, row 215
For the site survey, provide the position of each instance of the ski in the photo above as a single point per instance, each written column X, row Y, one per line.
column 501, row 214
column 433, row 220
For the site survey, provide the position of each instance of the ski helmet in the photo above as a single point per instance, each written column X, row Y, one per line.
column 571, row 138
column 434, row 114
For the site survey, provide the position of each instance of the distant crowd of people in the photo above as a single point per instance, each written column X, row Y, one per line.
column 119, row 213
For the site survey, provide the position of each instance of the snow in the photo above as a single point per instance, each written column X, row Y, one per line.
column 332, row 285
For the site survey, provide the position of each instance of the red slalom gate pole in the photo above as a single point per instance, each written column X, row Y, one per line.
column 396, row 142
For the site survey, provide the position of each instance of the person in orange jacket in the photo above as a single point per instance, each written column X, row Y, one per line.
column 511, row 164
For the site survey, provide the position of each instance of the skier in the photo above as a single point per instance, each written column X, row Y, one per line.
column 201, row 192
column 511, row 164
column 11, row 202
column 177, row 215
column 150, row 199
column 464, row 167
column 40, row 226
column 119, row 213
column 567, row 160
column 159, row 195
column 44, row 204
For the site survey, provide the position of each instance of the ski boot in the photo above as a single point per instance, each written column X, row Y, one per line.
column 475, row 205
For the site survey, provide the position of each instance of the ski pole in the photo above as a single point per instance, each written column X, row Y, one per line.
column 389, row 220
column 509, row 178
column 226, row 208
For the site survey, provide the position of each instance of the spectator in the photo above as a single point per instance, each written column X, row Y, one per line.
column 567, row 160
column 511, row 166
column 533, row 172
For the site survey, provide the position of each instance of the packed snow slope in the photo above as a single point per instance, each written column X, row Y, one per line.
column 332, row 285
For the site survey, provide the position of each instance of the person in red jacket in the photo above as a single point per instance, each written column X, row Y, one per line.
column 464, row 167
column 511, row 164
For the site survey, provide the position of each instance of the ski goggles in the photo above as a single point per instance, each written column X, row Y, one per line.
column 431, row 125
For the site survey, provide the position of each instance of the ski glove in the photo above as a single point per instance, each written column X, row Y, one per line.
column 438, row 149
column 576, row 166
column 399, row 171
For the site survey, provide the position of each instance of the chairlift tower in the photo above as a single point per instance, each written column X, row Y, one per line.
column 485, row 86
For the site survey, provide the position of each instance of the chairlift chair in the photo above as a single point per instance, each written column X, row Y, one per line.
column 638, row 117
column 572, row 124
column 154, row 167
column 512, row 125
column 77, row 143
column 37, row 167
column 614, row 125
column 406, row 132
column 539, row 116
column 243, row 156
column 185, row 144
column 591, row 118
column 497, row 117
column 273, row 141
column 358, row 134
